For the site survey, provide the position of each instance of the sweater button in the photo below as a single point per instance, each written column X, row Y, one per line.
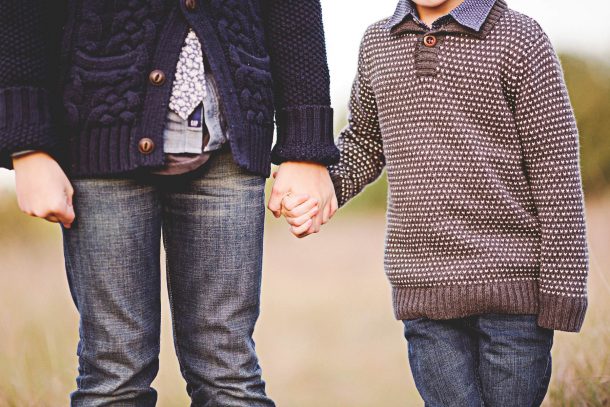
column 190, row 4
column 146, row 145
column 430, row 41
column 157, row 77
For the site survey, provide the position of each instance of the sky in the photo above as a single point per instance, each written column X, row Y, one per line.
column 581, row 27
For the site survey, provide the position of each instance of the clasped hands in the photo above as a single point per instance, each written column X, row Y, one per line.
column 304, row 194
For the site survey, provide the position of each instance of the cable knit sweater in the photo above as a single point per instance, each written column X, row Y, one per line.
column 103, row 112
column 476, row 130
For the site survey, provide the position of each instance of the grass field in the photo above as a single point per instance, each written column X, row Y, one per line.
column 326, row 337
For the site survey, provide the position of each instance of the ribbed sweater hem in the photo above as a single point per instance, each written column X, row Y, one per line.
column 25, row 123
column 113, row 151
column 519, row 297
column 305, row 133
column 562, row 312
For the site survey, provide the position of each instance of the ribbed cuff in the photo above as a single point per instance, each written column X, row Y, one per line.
column 305, row 133
column 561, row 313
column 25, row 123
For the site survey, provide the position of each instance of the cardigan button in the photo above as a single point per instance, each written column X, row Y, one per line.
column 146, row 145
column 157, row 77
column 190, row 4
column 430, row 41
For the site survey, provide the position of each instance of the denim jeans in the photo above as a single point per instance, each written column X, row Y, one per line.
column 212, row 222
column 490, row 360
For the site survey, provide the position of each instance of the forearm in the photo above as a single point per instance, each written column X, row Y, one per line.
column 360, row 144
column 550, row 147
column 29, row 31
column 564, row 260
column 295, row 37
column 362, row 162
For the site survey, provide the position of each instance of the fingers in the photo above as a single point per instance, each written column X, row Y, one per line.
column 326, row 214
column 301, row 209
column 52, row 218
column 334, row 206
column 275, row 202
column 62, row 213
column 69, row 215
column 300, row 231
column 67, row 218
column 300, row 220
column 315, row 226
column 319, row 220
column 292, row 201
column 330, row 210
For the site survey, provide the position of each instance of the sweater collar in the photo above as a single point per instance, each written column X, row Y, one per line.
column 471, row 17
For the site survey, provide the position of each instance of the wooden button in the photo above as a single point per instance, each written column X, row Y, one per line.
column 146, row 145
column 190, row 4
column 430, row 41
column 157, row 77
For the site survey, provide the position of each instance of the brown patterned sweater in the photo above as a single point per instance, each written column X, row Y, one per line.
column 476, row 130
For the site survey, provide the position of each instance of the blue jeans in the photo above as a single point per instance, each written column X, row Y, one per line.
column 490, row 360
column 212, row 223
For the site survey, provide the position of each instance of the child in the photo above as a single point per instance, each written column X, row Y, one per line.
column 464, row 103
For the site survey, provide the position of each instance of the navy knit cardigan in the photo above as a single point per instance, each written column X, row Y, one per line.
column 87, row 80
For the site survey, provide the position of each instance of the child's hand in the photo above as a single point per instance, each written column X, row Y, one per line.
column 299, row 211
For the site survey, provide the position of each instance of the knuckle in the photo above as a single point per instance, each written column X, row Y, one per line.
column 39, row 213
column 55, row 209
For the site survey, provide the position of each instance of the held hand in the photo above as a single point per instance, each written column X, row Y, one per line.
column 299, row 211
column 305, row 178
column 43, row 189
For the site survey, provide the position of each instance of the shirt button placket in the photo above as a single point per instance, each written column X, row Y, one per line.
column 430, row 41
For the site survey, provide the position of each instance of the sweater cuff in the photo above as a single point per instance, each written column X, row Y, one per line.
column 305, row 133
column 561, row 313
column 25, row 123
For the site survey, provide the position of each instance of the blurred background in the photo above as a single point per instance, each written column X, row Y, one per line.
column 327, row 337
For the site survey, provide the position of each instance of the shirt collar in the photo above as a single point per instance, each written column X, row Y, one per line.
column 471, row 13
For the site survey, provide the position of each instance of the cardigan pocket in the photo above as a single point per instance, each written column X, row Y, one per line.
column 104, row 90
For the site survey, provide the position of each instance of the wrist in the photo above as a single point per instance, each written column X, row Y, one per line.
column 27, row 155
column 303, row 163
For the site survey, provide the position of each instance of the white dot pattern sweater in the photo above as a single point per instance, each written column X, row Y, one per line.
column 485, row 208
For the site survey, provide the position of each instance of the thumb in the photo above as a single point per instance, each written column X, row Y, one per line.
column 67, row 218
column 68, row 215
column 275, row 203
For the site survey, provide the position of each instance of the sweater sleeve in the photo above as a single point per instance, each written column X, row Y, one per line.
column 29, row 37
column 550, row 145
column 360, row 145
column 295, row 36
